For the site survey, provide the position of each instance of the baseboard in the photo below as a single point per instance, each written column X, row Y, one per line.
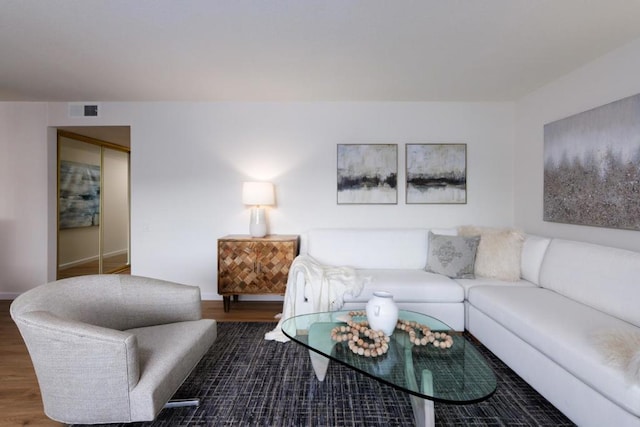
column 8, row 295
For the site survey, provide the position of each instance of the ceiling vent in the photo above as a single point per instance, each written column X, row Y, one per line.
column 84, row 109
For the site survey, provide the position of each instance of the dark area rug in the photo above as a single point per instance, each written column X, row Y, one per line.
column 246, row 381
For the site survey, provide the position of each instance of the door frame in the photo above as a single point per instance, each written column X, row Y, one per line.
column 62, row 133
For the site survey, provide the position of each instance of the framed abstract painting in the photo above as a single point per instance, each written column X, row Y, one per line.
column 436, row 173
column 367, row 174
column 592, row 167
column 79, row 191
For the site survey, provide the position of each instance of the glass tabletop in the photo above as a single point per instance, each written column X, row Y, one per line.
column 458, row 374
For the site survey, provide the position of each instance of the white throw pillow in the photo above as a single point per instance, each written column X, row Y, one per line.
column 499, row 252
column 621, row 349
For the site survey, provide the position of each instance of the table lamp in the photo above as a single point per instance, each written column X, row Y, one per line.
column 258, row 194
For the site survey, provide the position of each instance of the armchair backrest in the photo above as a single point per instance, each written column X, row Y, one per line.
column 113, row 301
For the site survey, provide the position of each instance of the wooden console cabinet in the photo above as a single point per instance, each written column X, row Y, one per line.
column 248, row 265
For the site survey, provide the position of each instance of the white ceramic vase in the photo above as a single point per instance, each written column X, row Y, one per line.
column 382, row 312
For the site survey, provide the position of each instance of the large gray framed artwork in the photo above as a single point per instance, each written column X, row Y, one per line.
column 367, row 174
column 592, row 167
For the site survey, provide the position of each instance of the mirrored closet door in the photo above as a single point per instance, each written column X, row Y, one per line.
column 93, row 206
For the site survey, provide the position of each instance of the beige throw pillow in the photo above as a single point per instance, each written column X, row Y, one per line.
column 499, row 252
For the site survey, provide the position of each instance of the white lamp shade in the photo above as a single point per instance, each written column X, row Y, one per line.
column 258, row 193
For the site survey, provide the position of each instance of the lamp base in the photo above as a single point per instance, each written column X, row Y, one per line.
column 258, row 223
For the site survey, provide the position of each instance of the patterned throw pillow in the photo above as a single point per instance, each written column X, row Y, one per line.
column 452, row 256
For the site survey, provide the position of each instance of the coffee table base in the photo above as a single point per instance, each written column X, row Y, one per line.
column 320, row 364
column 423, row 409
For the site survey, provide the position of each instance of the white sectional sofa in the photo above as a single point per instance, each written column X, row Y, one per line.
column 561, row 326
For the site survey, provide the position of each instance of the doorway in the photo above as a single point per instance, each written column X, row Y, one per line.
column 93, row 199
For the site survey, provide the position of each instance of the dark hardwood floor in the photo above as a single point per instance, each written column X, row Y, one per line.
column 20, row 402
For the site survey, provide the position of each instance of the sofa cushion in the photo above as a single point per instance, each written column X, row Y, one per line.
column 452, row 256
column 409, row 286
column 602, row 277
column 499, row 251
column 467, row 284
column 564, row 331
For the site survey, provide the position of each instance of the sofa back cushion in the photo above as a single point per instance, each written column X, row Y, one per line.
column 533, row 251
column 369, row 248
column 601, row 277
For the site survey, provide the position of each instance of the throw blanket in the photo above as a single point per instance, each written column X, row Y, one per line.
column 327, row 286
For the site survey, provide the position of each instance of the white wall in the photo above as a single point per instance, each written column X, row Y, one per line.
column 24, row 193
column 188, row 162
column 612, row 77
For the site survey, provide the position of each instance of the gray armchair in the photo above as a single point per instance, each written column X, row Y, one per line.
column 110, row 348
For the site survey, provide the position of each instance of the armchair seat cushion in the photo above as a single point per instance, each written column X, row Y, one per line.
column 167, row 353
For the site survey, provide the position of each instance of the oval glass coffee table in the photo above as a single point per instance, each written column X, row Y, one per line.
column 455, row 375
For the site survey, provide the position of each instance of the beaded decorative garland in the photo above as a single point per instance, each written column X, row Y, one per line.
column 361, row 339
column 366, row 342
column 437, row 339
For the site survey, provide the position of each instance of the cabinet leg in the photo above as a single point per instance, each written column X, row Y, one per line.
column 235, row 298
column 226, row 302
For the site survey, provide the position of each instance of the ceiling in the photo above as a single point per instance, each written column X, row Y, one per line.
column 301, row 50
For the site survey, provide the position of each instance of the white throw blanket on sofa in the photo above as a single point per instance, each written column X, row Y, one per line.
column 327, row 286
